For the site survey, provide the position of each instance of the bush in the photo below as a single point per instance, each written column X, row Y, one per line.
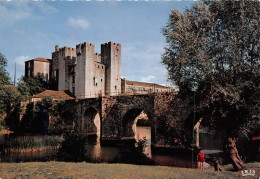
column 135, row 155
column 73, row 147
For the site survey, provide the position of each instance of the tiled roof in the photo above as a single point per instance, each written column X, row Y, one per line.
column 144, row 84
column 56, row 95
column 42, row 59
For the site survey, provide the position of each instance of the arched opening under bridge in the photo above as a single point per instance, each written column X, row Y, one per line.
column 91, row 124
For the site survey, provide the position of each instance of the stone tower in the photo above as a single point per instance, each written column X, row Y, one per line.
column 60, row 59
column 111, row 58
column 90, row 73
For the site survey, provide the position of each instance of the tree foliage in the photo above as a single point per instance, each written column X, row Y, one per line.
column 9, row 96
column 47, row 104
column 31, row 86
column 4, row 77
column 214, row 48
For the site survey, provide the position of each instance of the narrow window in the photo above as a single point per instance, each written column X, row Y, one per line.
column 73, row 90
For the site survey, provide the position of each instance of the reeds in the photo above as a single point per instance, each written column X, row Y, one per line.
column 32, row 143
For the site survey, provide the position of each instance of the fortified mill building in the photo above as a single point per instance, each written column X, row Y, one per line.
column 87, row 74
column 107, row 107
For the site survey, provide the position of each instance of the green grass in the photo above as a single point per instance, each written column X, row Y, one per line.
column 114, row 171
column 31, row 143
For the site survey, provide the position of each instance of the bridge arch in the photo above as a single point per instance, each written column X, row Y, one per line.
column 136, row 124
column 91, row 123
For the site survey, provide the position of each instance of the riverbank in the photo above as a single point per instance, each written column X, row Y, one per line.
column 115, row 171
column 3, row 132
column 26, row 144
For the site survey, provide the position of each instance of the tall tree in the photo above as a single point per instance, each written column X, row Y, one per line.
column 214, row 48
column 31, row 86
column 4, row 77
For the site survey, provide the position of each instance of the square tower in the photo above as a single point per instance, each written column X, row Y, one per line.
column 60, row 58
column 111, row 58
column 90, row 73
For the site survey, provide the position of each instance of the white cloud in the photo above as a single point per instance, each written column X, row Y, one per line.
column 18, row 11
column 151, row 52
column 21, row 59
column 148, row 79
column 147, row 57
column 78, row 22
column 9, row 15
column 47, row 9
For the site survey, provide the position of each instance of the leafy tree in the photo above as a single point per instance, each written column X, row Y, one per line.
column 214, row 48
column 9, row 96
column 43, row 109
column 46, row 104
column 31, row 86
column 10, row 99
column 4, row 77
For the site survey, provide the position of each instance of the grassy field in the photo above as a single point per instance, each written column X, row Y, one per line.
column 114, row 171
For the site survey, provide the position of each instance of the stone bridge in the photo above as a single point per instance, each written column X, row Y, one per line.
column 116, row 117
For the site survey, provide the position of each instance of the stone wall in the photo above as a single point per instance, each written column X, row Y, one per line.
column 59, row 67
column 90, row 73
column 111, row 58
column 118, row 113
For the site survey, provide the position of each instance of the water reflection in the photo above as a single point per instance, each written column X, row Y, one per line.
column 144, row 133
column 94, row 150
column 28, row 156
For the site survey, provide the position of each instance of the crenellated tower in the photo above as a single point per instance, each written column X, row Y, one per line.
column 63, row 62
column 111, row 58
column 90, row 73
column 85, row 73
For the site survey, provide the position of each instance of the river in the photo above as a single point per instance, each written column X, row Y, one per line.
column 104, row 153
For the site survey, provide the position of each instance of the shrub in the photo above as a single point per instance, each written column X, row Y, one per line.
column 73, row 147
column 135, row 155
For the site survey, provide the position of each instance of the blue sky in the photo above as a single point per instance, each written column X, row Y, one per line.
column 32, row 29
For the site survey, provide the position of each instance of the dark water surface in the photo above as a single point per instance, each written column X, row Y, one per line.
column 96, row 151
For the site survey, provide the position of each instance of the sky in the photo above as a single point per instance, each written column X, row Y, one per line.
column 32, row 29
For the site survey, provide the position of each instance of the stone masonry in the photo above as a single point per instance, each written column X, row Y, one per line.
column 87, row 74
column 118, row 113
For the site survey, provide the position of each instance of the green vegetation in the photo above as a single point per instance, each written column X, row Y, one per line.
column 132, row 152
column 9, row 95
column 32, row 143
column 73, row 147
column 213, row 48
column 31, row 86
column 4, row 76
column 46, row 104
